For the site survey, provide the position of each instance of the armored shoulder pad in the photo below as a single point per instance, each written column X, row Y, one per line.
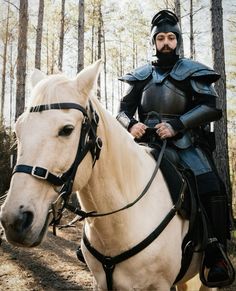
column 139, row 74
column 185, row 68
column 203, row 88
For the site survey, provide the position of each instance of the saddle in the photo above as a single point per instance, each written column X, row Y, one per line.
column 177, row 178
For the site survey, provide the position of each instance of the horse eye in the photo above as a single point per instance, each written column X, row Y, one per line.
column 66, row 130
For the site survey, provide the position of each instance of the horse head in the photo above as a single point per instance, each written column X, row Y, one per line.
column 48, row 134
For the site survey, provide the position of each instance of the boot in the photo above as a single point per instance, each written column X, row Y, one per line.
column 216, row 263
column 221, row 271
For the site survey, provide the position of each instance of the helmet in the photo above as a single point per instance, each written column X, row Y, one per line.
column 166, row 21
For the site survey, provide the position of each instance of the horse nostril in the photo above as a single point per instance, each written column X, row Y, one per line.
column 27, row 219
column 24, row 221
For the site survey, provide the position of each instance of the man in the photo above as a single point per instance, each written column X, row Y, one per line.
column 175, row 96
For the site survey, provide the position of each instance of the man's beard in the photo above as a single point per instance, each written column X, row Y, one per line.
column 167, row 59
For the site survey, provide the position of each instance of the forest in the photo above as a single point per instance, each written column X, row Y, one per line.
column 64, row 36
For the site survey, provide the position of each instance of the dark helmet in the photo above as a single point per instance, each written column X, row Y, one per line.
column 166, row 21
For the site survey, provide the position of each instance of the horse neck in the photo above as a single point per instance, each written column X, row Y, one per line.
column 117, row 179
column 118, row 172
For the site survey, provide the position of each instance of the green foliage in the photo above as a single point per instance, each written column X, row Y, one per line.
column 5, row 152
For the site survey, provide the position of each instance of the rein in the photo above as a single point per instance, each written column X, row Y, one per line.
column 84, row 214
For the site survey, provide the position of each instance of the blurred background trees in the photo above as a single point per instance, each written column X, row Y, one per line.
column 6, row 151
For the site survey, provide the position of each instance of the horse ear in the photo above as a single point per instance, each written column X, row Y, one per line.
column 87, row 78
column 36, row 77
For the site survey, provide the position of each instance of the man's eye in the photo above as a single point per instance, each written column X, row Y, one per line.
column 66, row 130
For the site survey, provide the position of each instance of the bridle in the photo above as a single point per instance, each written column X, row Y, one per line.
column 89, row 142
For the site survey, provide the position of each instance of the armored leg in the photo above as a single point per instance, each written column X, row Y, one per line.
column 221, row 272
column 216, row 210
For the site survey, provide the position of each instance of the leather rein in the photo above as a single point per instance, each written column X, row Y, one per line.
column 90, row 142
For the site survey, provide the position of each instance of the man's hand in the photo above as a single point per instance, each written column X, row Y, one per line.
column 138, row 130
column 165, row 130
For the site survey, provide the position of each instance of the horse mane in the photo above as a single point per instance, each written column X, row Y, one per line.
column 109, row 121
column 125, row 152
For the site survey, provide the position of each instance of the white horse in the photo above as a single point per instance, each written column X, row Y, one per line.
column 48, row 138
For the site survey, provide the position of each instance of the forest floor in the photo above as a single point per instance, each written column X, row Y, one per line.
column 53, row 265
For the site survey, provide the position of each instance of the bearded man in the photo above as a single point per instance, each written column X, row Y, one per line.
column 175, row 97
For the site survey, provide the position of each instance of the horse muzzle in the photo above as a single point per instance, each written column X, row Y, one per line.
column 20, row 229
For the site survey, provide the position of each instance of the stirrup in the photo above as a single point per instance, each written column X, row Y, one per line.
column 204, row 272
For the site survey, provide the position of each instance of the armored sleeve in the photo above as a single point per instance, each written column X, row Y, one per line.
column 204, row 102
column 202, row 108
column 198, row 78
column 129, row 104
column 136, row 81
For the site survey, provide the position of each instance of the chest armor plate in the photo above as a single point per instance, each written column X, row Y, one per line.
column 163, row 97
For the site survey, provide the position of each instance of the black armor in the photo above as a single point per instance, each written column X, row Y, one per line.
column 179, row 95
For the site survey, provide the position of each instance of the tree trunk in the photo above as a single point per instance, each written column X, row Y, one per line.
column 80, row 64
column 12, row 76
column 61, row 44
column 178, row 13
column 93, row 35
column 133, row 52
column 53, row 52
column 47, row 50
column 4, row 64
column 99, row 44
column 39, row 35
column 105, row 67
column 21, row 58
column 221, row 152
column 120, row 71
column 192, row 51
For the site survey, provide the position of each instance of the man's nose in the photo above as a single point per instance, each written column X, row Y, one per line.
column 166, row 41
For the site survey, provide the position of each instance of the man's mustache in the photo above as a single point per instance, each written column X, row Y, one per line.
column 166, row 48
